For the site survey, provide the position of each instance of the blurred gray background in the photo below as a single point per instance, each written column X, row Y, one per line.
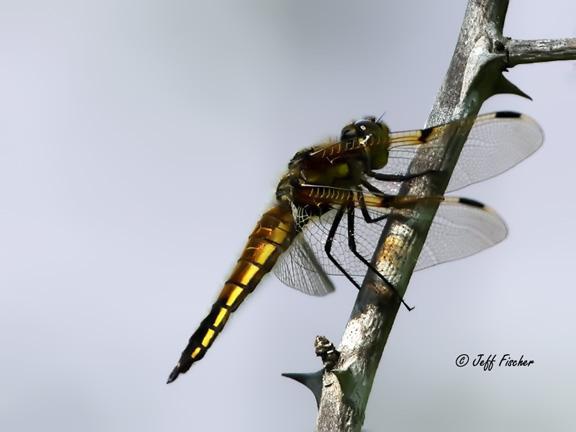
column 141, row 140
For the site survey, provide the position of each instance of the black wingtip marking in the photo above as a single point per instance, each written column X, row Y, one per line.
column 471, row 202
column 508, row 114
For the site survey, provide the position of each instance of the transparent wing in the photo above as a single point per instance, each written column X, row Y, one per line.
column 460, row 228
column 298, row 268
column 497, row 142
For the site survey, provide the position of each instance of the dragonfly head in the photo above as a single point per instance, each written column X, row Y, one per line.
column 360, row 129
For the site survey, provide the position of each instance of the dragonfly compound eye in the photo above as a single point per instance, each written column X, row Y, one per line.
column 364, row 127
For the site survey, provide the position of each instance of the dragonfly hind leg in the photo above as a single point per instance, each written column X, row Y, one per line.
column 354, row 249
column 328, row 245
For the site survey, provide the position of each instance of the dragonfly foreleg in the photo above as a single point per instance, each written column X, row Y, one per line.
column 328, row 245
column 353, row 248
column 371, row 187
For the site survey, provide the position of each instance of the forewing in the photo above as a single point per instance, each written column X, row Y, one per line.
column 497, row 142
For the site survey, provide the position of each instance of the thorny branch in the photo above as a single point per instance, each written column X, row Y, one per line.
column 481, row 55
column 542, row 50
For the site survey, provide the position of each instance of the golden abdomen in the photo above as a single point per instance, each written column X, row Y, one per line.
column 272, row 236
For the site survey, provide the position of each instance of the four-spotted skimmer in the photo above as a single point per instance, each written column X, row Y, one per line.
column 333, row 202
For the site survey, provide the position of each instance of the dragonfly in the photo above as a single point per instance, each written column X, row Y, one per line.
column 334, row 200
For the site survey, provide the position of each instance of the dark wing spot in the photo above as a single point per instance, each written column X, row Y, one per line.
column 424, row 134
column 471, row 202
column 508, row 114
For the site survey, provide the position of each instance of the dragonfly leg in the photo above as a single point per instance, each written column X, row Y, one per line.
column 352, row 246
column 328, row 245
column 364, row 208
column 371, row 187
column 398, row 177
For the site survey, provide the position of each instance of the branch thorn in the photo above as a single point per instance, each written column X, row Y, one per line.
column 313, row 381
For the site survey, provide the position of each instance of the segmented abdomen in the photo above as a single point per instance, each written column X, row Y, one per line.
column 270, row 238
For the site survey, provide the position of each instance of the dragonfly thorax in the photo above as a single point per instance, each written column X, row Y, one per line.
column 363, row 146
